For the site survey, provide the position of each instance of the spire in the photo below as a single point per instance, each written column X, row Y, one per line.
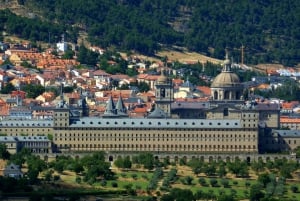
column 120, row 107
column 157, row 113
column 110, row 108
column 227, row 63
column 162, row 78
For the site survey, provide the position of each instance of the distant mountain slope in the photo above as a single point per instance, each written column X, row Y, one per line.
column 268, row 29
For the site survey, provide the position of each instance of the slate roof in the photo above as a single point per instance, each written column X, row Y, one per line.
column 288, row 133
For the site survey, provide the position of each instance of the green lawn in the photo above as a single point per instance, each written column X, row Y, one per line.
column 139, row 180
column 237, row 185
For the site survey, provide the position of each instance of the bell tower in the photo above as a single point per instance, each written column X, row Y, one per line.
column 61, row 115
column 164, row 94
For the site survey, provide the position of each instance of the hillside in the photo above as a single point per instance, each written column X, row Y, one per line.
column 267, row 29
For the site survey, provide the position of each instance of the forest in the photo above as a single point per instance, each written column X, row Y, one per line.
column 267, row 29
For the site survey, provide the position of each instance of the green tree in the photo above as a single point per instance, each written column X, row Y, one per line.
column 213, row 182
column 258, row 166
column 32, row 175
column 147, row 160
column 142, row 86
column 264, row 179
column 209, row 169
column 4, row 154
column 221, row 171
column 256, row 192
column 8, row 88
column 294, row 188
column 68, row 54
column 297, row 151
column 119, row 162
column 78, row 167
column 179, row 195
column 225, row 183
column 20, row 157
column 196, row 165
column 239, row 168
column 68, row 89
column 188, row 180
column 86, row 56
column 127, row 162
column 33, row 90
column 48, row 175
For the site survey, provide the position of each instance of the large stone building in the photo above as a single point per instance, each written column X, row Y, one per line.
column 225, row 125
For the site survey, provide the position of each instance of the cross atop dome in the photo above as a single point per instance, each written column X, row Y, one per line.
column 227, row 63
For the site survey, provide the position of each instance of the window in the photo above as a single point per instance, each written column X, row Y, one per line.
column 225, row 112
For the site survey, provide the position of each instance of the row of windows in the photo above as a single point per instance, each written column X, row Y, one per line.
column 159, row 139
column 150, row 123
column 61, row 114
column 249, row 125
column 24, row 130
column 120, row 146
column 250, row 120
column 249, row 115
column 159, row 135
column 35, row 144
column 159, row 129
column 281, row 142
column 27, row 124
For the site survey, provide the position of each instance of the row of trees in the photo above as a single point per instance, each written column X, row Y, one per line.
column 240, row 168
column 34, row 90
column 289, row 90
column 93, row 167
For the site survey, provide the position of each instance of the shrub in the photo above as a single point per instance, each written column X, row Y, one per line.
column 78, row 180
column 225, row 183
column 294, row 188
column 134, row 176
column 214, row 182
column 145, row 176
column 222, row 192
column 233, row 192
column 56, row 177
column 188, row 180
column 235, row 182
column 114, row 184
column 247, row 184
column 164, row 188
column 182, row 161
column 103, row 183
column 202, row 181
